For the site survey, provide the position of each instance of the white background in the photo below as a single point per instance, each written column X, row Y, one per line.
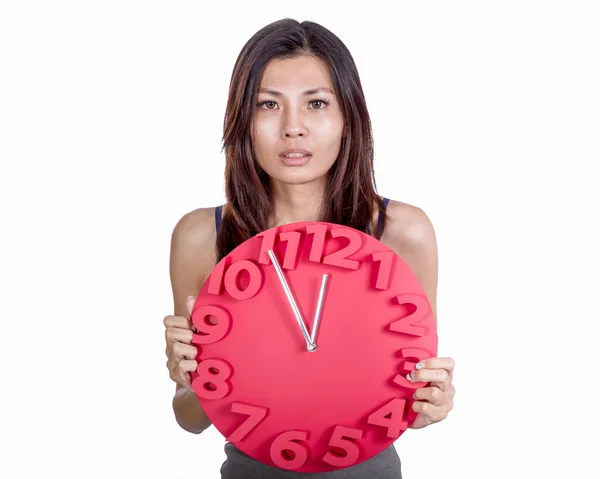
column 485, row 114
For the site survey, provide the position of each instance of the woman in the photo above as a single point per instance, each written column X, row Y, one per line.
column 298, row 144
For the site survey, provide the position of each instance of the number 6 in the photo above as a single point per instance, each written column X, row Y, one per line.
column 285, row 443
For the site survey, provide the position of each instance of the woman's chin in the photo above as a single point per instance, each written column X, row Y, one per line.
column 297, row 176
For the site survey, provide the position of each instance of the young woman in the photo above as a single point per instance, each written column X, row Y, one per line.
column 298, row 145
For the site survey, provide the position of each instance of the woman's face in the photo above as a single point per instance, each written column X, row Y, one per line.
column 288, row 116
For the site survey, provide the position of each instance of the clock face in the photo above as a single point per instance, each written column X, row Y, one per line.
column 311, row 399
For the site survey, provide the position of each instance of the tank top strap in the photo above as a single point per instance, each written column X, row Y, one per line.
column 380, row 220
column 218, row 213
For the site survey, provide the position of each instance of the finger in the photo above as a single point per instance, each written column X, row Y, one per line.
column 180, row 335
column 180, row 371
column 433, row 413
column 437, row 377
column 433, row 395
column 438, row 363
column 186, row 366
column 181, row 351
column 173, row 321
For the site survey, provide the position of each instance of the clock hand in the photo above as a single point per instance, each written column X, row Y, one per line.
column 319, row 310
column 309, row 344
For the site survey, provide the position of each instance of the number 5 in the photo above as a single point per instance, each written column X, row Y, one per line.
column 341, row 438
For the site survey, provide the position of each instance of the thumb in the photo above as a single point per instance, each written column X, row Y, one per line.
column 191, row 300
column 420, row 422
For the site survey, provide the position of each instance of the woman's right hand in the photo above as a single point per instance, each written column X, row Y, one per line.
column 181, row 354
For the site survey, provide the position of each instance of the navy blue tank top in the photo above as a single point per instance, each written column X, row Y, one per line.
column 238, row 465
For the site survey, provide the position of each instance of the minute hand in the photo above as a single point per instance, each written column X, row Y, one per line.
column 309, row 344
column 319, row 310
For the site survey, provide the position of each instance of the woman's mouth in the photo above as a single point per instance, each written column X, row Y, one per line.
column 295, row 159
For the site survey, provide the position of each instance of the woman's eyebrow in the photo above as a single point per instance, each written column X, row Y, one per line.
column 312, row 91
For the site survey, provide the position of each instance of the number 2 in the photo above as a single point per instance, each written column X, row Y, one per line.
column 406, row 325
column 337, row 258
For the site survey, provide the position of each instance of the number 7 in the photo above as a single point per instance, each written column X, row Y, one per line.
column 255, row 414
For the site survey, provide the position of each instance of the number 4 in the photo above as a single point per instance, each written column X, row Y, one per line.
column 390, row 416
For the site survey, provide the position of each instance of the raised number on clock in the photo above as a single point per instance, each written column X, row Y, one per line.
column 210, row 332
column 337, row 258
column 287, row 451
column 406, row 325
column 221, row 276
column 343, row 438
column 212, row 380
column 268, row 243
column 255, row 414
column 409, row 366
column 391, row 417
column 384, row 258
column 292, row 238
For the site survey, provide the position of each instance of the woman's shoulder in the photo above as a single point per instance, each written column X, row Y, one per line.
column 196, row 228
column 193, row 242
column 407, row 225
column 410, row 233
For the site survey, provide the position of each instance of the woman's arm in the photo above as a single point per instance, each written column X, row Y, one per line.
column 411, row 235
column 191, row 260
column 188, row 411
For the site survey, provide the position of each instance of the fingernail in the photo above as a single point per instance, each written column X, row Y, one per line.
column 190, row 296
column 409, row 376
column 420, row 366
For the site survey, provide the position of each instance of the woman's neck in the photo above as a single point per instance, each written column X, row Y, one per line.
column 296, row 203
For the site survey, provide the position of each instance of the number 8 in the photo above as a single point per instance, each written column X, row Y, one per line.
column 211, row 382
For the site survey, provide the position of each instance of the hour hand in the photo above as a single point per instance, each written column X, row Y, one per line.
column 290, row 297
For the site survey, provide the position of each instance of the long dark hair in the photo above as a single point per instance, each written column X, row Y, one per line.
column 350, row 195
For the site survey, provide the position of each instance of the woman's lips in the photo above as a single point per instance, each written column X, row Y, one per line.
column 295, row 161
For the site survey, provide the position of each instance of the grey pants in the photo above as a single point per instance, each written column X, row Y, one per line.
column 239, row 465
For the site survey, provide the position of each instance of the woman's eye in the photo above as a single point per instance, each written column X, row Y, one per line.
column 266, row 102
column 271, row 104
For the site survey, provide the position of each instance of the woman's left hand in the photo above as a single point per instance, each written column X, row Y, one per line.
column 434, row 402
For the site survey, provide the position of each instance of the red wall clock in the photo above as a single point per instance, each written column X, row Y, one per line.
column 306, row 334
